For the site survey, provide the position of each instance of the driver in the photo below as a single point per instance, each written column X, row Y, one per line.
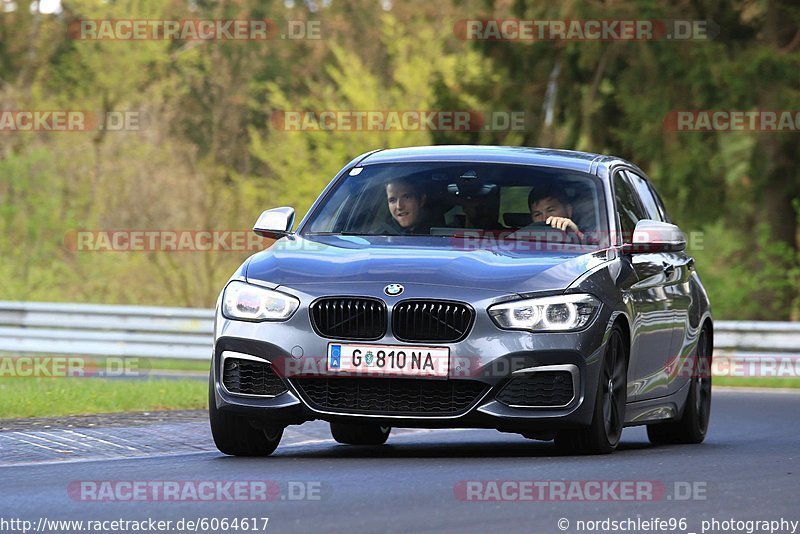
column 406, row 205
column 549, row 206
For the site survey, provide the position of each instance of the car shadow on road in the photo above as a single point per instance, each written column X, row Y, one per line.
column 448, row 449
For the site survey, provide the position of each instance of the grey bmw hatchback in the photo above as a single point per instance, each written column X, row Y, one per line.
column 534, row 291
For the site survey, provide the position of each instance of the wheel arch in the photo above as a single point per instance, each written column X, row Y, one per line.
column 708, row 323
column 621, row 320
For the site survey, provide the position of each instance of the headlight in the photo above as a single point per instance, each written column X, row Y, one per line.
column 560, row 313
column 252, row 303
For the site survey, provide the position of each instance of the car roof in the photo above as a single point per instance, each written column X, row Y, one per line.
column 546, row 157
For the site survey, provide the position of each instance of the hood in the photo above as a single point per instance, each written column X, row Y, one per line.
column 297, row 261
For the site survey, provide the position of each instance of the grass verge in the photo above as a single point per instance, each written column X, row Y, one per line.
column 47, row 397
column 168, row 364
column 750, row 382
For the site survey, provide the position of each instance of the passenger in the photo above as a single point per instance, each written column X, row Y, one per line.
column 549, row 206
column 406, row 205
column 481, row 212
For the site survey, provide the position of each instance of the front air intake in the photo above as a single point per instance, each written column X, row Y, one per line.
column 431, row 321
column 249, row 377
column 390, row 396
column 544, row 389
column 349, row 318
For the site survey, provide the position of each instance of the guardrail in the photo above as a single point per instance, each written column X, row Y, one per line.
column 186, row 333
column 101, row 330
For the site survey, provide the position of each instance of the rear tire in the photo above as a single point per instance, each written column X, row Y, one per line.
column 692, row 426
column 235, row 435
column 603, row 434
column 360, row 434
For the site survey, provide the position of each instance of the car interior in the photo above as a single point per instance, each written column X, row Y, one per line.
column 458, row 198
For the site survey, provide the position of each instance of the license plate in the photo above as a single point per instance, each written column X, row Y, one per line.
column 389, row 360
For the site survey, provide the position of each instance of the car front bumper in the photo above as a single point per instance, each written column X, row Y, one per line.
column 488, row 355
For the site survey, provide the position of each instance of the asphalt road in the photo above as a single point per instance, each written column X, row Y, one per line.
column 746, row 470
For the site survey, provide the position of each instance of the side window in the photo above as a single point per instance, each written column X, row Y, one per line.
column 661, row 208
column 627, row 206
column 645, row 195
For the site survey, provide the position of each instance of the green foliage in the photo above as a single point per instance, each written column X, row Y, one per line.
column 744, row 281
column 211, row 158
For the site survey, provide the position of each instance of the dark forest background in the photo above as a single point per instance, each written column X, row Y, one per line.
column 209, row 158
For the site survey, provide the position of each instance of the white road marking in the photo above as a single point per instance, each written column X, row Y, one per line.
column 303, row 443
column 143, row 447
column 56, row 437
column 102, row 441
column 39, row 445
column 57, row 443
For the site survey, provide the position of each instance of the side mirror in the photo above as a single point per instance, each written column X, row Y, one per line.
column 655, row 236
column 275, row 223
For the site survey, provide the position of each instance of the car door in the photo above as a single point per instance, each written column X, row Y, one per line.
column 678, row 269
column 652, row 317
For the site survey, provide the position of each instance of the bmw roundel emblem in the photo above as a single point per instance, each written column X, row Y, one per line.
column 393, row 290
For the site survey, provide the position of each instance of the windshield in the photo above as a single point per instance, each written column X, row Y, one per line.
column 458, row 199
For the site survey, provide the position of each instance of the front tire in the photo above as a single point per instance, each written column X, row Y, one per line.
column 235, row 435
column 358, row 434
column 692, row 426
column 603, row 435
